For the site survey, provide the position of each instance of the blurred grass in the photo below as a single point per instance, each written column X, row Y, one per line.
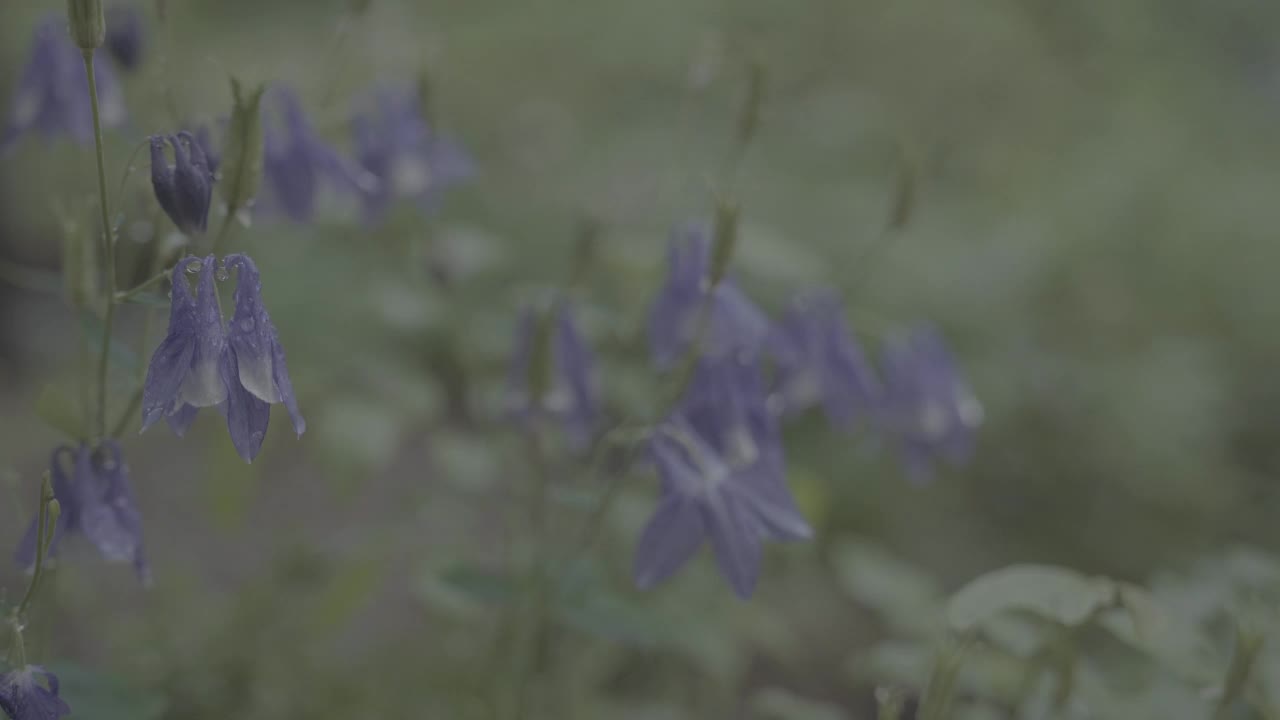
column 1094, row 231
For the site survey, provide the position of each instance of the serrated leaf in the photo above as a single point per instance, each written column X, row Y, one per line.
column 59, row 409
column 1054, row 593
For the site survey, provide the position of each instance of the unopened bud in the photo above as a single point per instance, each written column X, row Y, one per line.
column 87, row 24
column 540, row 359
column 902, row 202
column 242, row 159
column 724, row 239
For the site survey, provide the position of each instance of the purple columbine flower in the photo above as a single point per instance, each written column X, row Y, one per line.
column 184, row 189
column 296, row 161
column 125, row 36
column 185, row 373
column 819, row 361
column 255, row 369
column 733, row 324
column 96, row 501
column 52, row 96
column 406, row 157
column 23, row 695
column 928, row 408
column 720, row 462
column 570, row 397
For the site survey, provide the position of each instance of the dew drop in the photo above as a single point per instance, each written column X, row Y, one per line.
column 222, row 274
column 246, row 325
column 194, row 267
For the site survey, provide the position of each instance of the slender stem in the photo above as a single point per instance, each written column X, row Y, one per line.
column 108, row 244
column 224, row 231
column 124, row 295
column 46, row 496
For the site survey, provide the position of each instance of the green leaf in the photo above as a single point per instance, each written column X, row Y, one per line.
column 1174, row 642
column 479, row 585
column 780, row 704
column 58, row 408
column 612, row 617
column 121, row 355
column 1051, row 592
column 904, row 596
column 103, row 697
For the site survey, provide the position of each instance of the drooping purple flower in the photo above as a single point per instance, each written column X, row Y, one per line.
column 185, row 373
column 819, row 361
column 720, row 462
column 733, row 324
column 928, row 409
column 52, row 96
column 125, row 34
column 96, row 501
column 407, row 158
column 256, row 364
column 569, row 395
column 31, row 694
column 296, row 161
column 184, row 189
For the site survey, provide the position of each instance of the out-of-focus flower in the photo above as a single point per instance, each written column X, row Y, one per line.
column 552, row 375
column 184, row 189
column 185, row 373
column 407, row 158
column 52, row 95
column 720, row 462
column 125, row 35
column 297, row 161
column 732, row 325
column 927, row 408
column 819, row 361
column 96, row 501
column 212, row 157
column 23, row 695
column 256, row 368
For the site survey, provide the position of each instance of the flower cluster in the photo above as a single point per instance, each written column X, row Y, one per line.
column 238, row 367
column 719, row 453
column 97, row 502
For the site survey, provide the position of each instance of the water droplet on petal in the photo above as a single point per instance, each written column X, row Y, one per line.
column 194, row 268
column 222, row 274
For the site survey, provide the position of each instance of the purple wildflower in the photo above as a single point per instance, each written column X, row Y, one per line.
column 256, row 368
column 125, row 37
column 406, row 157
column 184, row 189
column 96, row 501
column 185, row 373
column 928, row 408
column 720, row 462
column 23, row 697
column 568, row 391
column 52, row 96
column 296, row 161
column 819, row 361
column 734, row 325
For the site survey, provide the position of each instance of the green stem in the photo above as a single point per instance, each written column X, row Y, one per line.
column 46, row 497
column 224, row 231
column 108, row 244
column 125, row 295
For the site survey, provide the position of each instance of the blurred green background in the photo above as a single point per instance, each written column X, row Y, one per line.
column 1092, row 229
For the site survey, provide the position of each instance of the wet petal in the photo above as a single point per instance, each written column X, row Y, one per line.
column 735, row 536
column 247, row 416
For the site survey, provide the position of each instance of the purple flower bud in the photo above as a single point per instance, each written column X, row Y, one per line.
column 568, row 394
column 96, row 501
column 819, row 361
column 23, row 697
column 719, row 459
column 257, row 363
column 297, row 161
column 125, row 36
column 52, row 95
column 185, row 372
column 403, row 157
column 184, row 189
column 733, row 324
column 928, row 408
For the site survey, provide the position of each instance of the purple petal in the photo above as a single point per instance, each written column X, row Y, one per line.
column 247, row 416
column 735, row 536
column 671, row 537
